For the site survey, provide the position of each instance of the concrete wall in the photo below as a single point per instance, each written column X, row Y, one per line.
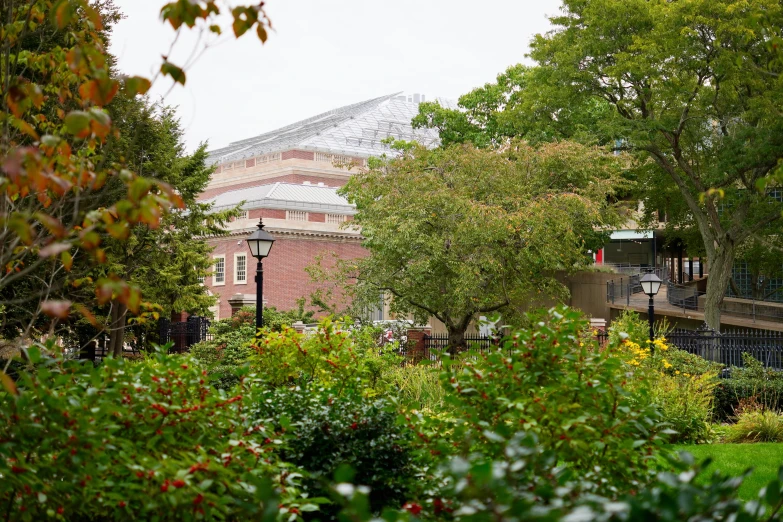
column 588, row 293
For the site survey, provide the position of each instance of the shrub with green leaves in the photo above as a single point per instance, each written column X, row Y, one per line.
column 343, row 430
column 679, row 384
column 752, row 381
column 555, row 382
column 145, row 440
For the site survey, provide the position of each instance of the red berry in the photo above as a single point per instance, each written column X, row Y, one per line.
column 199, row 499
column 121, row 504
column 178, row 483
column 412, row 508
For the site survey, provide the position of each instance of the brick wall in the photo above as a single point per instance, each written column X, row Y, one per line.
column 298, row 154
column 267, row 213
column 297, row 179
column 316, row 216
column 285, row 279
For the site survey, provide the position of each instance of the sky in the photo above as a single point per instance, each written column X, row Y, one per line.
column 324, row 54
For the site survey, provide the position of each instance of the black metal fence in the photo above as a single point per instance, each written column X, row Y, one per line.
column 184, row 334
column 432, row 345
column 725, row 347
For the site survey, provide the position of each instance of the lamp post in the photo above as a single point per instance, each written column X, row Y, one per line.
column 260, row 243
column 651, row 283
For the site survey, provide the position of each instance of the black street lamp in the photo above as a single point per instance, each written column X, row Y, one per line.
column 260, row 243
column 651, row 283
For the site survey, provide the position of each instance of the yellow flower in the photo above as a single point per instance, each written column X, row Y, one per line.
column 666, row 364
column 677, row 372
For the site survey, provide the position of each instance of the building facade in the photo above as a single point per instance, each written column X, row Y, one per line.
column 289, row 177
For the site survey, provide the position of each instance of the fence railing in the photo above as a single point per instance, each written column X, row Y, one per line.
column 725, row 347
column 184, row 334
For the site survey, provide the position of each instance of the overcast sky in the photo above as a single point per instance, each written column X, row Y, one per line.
column 327, row 53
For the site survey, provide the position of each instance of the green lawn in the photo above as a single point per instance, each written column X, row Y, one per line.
column 733, row 459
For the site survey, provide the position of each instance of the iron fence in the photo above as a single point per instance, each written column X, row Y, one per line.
column 184, row 334
column 725, row 347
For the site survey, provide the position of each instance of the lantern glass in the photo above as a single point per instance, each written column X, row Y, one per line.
column 260, row 242
column 651, row 283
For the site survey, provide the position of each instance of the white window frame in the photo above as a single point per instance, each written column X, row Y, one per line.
column 215, row 282
column 238, row 281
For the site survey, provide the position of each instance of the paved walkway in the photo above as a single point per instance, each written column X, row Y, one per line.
column 638, row 303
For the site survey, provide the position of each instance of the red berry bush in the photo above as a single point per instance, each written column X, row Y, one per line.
column 148, row 440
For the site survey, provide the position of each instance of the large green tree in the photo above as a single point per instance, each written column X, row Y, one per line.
column 461, row 231
column 519, row 104
column 697, row 92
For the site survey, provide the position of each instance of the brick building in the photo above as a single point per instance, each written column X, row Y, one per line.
column 290, row 178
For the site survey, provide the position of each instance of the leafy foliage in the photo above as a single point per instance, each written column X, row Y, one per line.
column 554, row 382
column 150, row 439
column 693, row 85
column 753, row 381
column 344, row 430
column 80, row 202
column 680, row 384
column 461, row 231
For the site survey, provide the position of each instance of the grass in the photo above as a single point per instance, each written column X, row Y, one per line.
column 733, row 459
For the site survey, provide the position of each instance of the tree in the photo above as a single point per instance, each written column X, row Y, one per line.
column 696, row 88
column 56, row 81
column 165, row 262
column 518, row 105
column 461, row 231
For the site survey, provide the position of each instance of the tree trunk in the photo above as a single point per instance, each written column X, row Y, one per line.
column 119, row 314
column 720, row 264
column 456, row 340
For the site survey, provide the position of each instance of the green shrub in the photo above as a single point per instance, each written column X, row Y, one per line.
column 143, row 440
column 568, row 392
column 681, row 385
column 330, row 356
column 338, row 430
column 416, row 386
column 753, row 380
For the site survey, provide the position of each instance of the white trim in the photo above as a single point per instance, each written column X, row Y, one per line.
column 632, row 234
column 238, row 281
column 297, row 215
column 214, row 270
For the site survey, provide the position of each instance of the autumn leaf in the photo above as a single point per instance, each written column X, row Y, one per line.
column 77, row 121
column 8, row 383
column 58, row 309
column 137, row 85
column 67, row 260
column 54, row 249
column 84, row 312
column 177, row 74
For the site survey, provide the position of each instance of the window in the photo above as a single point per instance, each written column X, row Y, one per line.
column 335, row 219
column 219, row 275
column 296, row 215
column 240, row 268
column 244, row 215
